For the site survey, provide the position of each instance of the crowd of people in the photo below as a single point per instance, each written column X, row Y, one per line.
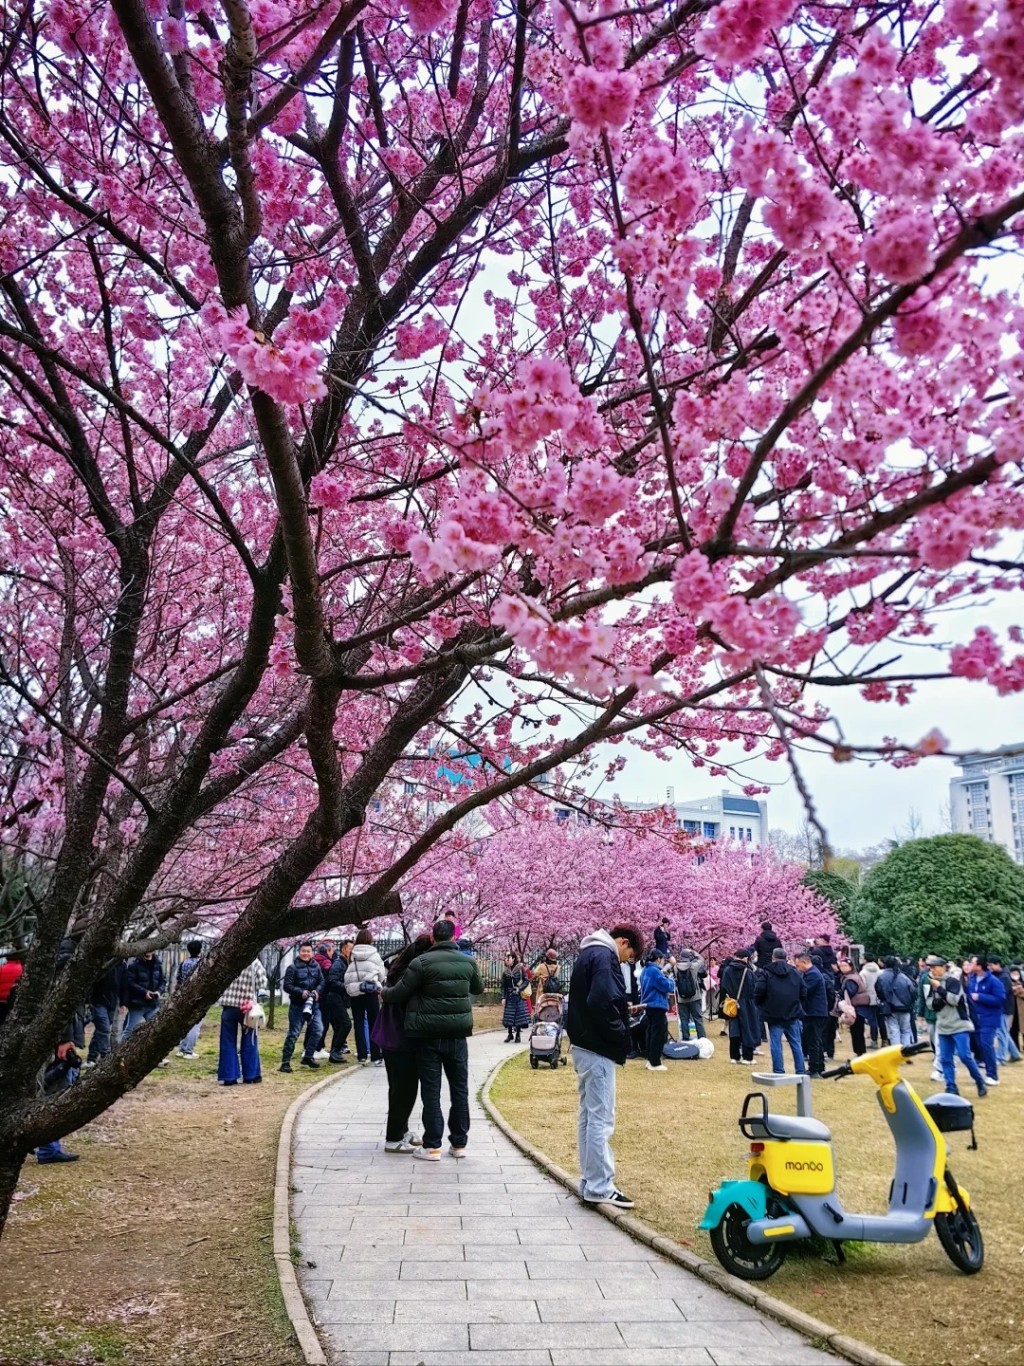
column 412, row 1015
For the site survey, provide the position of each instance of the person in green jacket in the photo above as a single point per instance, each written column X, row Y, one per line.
column 436, row 990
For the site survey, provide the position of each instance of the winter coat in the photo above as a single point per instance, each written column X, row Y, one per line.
column 987, row 995
column 895, row 991
column 661, row 940
column 777, row 993
column 324, row 963
column 108, row 987
column 764, row 946
column 1003, row 978
column 10, row 975
column 948, row 1000
column 687, row 958
column 655, row 987
column 827, row 954
column 300, row 977
column 869, row 974
column 813, row 995
column 142, row 975
column 365, row 965
column 546, row 978
column 437, row 990
column 334, row 982
column 598, row 1017
column 516, row 1014
column 746, row 1026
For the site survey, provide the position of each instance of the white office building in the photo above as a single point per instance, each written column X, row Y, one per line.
column 728, row 816
column 988, row 798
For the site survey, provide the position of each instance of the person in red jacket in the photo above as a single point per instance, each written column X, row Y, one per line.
column 10, row 975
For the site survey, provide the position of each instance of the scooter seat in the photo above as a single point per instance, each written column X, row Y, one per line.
column 788, row 1126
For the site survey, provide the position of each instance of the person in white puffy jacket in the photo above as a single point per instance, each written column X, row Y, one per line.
column 364, row 977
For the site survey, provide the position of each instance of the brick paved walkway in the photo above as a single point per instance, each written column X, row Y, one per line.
column 488, row 1262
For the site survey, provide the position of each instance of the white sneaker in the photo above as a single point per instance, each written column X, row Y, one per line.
column 937, row 1076
column 991, row 1081
column 320, row 1054
column 457, row 1152
column 400, row 1147
column 428, row 1154
column 659, row 1068
column 412, row 1139
column 163, row 1062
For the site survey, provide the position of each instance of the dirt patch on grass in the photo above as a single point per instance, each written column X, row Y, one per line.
column 677, row 1138
column 156, row 1246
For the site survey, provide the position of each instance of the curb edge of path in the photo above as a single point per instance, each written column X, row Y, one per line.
column 804, row 1324
column 295, row 1306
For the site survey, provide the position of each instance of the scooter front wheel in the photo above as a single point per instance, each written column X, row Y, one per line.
column 750, row 1261
column 961, row 1240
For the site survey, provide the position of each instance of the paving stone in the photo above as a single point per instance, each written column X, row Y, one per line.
column 541, row 1291
column 753, row 1338
column 529, row 1356
column 410, row 1337
column 475, row 1310
column 639, row 1310
column 496, row 1271
column 539, row 1267
column 489, row 1337
column 356, row 1311
column 391, row 1288
column 635, row 1356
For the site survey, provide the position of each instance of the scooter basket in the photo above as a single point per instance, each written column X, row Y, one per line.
column 952, row 1114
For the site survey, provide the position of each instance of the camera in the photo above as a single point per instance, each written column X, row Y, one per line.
column 307, row 1007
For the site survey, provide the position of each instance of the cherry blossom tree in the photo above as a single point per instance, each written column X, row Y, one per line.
column 540, row 882
column 482, row 379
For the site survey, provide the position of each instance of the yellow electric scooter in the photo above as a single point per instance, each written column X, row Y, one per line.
column 790, row 1193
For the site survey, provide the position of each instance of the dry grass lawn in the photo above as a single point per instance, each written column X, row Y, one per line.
column 676, row 1138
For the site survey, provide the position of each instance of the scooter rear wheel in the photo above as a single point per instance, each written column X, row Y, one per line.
column 750, row 1261
column 961, row 1240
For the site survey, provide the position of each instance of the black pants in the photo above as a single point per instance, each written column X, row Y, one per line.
column 857, row 1036
column 403, row 1083
column 365, row 1007
column 814, row 1042
column 738, row 1051
column 657, row 1034
column 450, row 1057
column 335, row 1016
column 831, row 1030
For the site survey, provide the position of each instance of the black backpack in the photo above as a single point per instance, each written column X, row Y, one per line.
column 686, row 982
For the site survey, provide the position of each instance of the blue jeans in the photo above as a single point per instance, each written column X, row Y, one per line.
column 690, row 1012
column 987, row 1043
column 136, row 1015
column 595, row 1081
column 188, row 1043
column 450, row 1056
column 1006, row 1049
column 953, row 1046
column 794, row 1037
column 296, row 1020
column 104, row 1032
column 227, row 1064
column 898, row 1028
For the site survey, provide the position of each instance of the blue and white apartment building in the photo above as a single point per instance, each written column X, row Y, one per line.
column 728, row 816
column 988, row 798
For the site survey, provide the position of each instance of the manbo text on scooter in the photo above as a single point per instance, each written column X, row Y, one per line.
column 790, row 1190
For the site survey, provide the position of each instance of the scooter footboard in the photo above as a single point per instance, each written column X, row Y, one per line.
column 827, row 1219
column 787, row 1228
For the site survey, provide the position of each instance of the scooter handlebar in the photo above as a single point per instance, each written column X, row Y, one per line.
column 834, row 1073
column 911, row 1048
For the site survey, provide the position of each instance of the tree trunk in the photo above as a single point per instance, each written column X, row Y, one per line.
column 10, row 1170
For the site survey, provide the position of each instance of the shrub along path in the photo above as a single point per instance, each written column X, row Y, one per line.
column 487, row 1260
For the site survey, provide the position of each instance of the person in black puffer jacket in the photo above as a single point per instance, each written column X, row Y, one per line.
column 144, row 984
column 765, row 945
column 334, row 1004
column 105, row 1004
column 436, row 990
column 778, row 991
column 303, row 983
column 598, row 1026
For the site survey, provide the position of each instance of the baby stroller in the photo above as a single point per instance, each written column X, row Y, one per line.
column 546, row 1032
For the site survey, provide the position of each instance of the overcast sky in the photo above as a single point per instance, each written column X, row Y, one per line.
column 862, row 803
